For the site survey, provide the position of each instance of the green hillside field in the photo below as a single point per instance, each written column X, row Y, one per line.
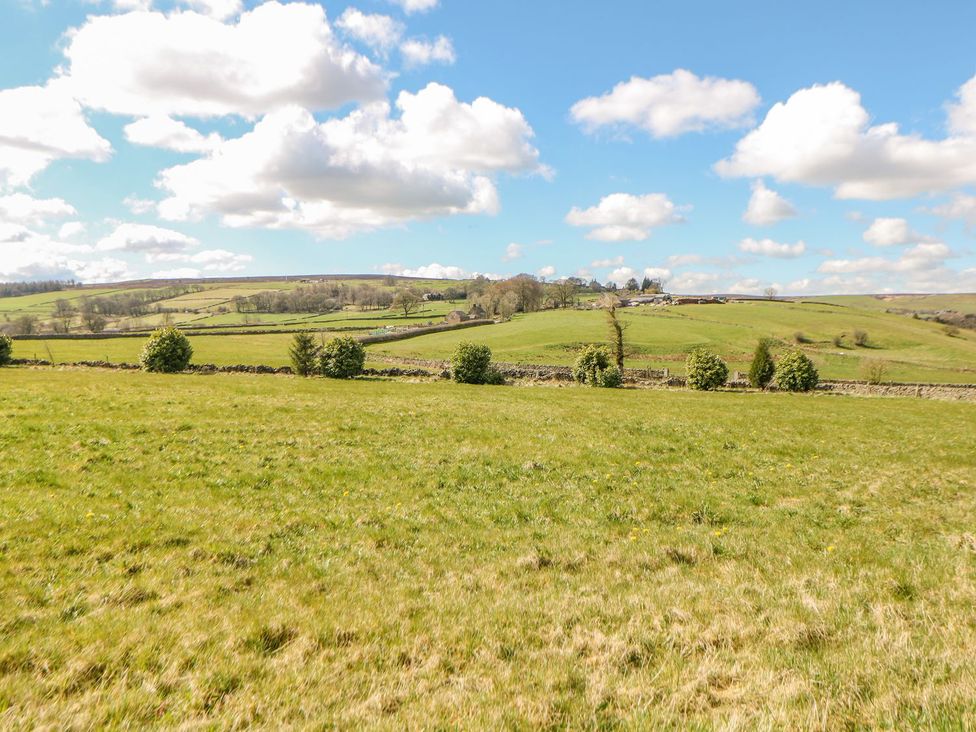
column 236, row 551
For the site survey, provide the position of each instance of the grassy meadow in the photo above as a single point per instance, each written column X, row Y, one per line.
column 915, row 350
column 912, row 349
column 234, row 551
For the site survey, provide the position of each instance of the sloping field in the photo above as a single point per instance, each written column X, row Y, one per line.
column 232, row 551
column 914, row 349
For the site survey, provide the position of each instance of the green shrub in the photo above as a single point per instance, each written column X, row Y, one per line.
column 590, row 364
column 838, row 341
column 167, row 351
column 860, row 338
column 706, row 371
column 6, row 349
column 796, row 372
column 610, row 377
column 342, row 358
column 763, row 367
column 874, row 371
column 471, row 363
column 494, row 377
column 304, row 354
column 800, row 337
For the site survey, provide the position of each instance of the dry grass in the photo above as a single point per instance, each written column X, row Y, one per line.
column 236, row 551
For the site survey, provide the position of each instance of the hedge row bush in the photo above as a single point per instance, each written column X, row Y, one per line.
column 167, row 351
column 6, row 349
column 471, row 364
column 593, row 367
column 796, row 372
column 706, row 371
column 340, row 358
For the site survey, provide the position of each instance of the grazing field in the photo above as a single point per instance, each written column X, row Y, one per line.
column 232, row 551
column 915, row 350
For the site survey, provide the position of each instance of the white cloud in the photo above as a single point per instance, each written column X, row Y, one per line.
column 170, row 134
column 27, row 255
column 547, row 271
column 694, row 282
column 433, row 271
column 888, row 232
column 419, row 52
column 961, row 206
column 24, row 209
column 71, row 229
column 416, row 6
column 625, row 217
column 211, row 260
column 770, row 248
column 962, row 115
column 671, row 104
column 138, row 205
column 188, row 64
column 41, row 124
column 821, row 136
column 145, row 238
column 766, row 206
column 219, row 9
column 609, row 262
column 359, row 172
column 921, row 257
column 622, row 274
column 380, row 32
column 513, row 251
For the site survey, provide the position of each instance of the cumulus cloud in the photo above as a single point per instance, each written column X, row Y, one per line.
column 962, row 115
column 889, row 232
column 24, row 209
column 821, row 136
column 695, row 282
column 359, row 172
column 961, row 206
column 671, row 104
column 766, row 206
column 432, row 271
column 921, row 257
column 770, row 248
column 547, row 271
column 609, row 262
column 380, row 32
column 625, row 217
column 219, row 9
column 41, row 124
column 416, row 6
column 170, row 134
column 513, row 251
column 210, row 260
column 26, row 254
column 189, row 64
column 145, row 238
column 621, row 274
column 71, row 229
column 419, row 52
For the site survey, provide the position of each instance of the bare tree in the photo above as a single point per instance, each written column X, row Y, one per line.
column 563, row 292
column 406, row 300
column 64, row 313
column 610, row 304
column 770, row 293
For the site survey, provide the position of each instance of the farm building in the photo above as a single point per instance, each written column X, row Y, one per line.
column 456, row 316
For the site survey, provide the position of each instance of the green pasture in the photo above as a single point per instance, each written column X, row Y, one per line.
column 231, row 552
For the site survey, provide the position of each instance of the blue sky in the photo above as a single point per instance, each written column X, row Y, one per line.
column 214, row 137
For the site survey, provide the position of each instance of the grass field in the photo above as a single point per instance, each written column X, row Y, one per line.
column 912, row 349
column 210, row 305
column 915, row 350
column 239, row 551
